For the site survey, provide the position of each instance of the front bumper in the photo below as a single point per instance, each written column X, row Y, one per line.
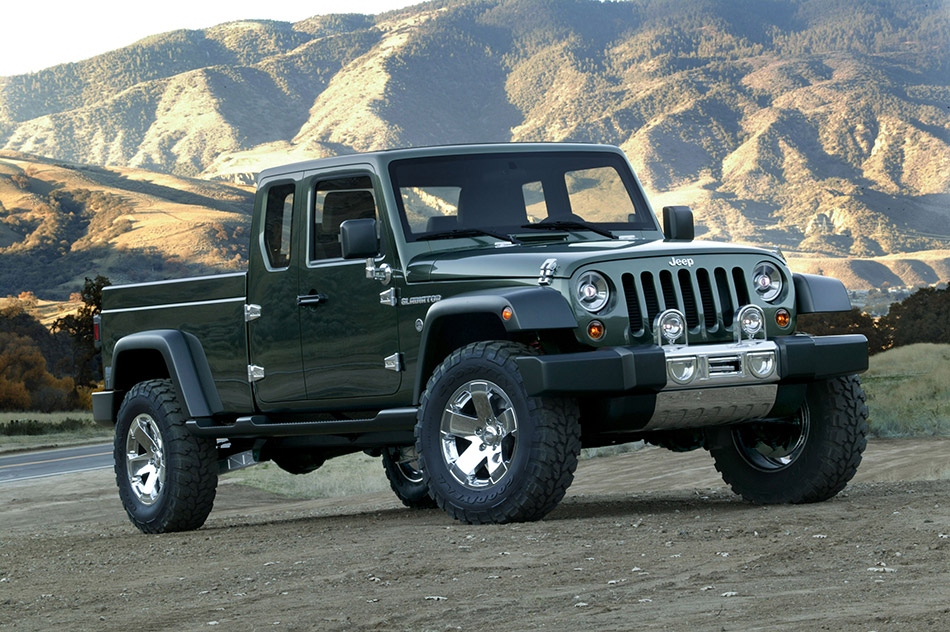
column 646, row 368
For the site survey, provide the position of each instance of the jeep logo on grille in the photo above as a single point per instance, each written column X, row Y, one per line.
column 681, row 262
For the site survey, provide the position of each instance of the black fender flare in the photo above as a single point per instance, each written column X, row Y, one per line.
column 816, row 294
column 185, row 361
column 532, row 309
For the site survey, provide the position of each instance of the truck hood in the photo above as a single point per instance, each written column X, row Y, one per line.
column 525, row 260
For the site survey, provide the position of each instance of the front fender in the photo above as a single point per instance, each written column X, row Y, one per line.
column 185, row 362
column 532, row 309
column 815, row 294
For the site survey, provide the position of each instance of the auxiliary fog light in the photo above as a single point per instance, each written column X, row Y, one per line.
column 751, row 320
column 761, row 365
column 669, row 326
column 681, row 370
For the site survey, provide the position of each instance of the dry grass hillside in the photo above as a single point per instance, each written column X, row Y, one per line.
column 61, row 222
column 819, row 127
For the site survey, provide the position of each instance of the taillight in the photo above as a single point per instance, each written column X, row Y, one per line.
column 96, row 334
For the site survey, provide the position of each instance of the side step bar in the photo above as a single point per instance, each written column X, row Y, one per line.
column 393, row 419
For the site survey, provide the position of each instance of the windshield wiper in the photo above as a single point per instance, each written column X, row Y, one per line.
column 468, row 232
column 570, row 225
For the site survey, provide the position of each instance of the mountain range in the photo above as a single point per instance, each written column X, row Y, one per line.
column 818, row 126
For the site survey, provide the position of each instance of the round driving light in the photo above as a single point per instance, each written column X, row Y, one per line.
column 671, row 326
column 751, row 321
column 767, row 281
column 782, row 318
column 681, row 370
column 592, row 291
column 596, row 330
column 761, row 365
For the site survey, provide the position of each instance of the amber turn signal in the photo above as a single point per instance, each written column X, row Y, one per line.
column 507, row 313
column 782, row 318
column 596, row 330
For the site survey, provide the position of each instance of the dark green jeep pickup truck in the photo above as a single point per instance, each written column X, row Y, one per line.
column 475, row 315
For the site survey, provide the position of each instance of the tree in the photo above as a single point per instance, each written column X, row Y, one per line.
column 924, row 316
column 79, row 328
column 853, row 322
column 25, row 384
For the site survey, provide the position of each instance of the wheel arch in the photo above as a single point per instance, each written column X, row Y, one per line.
column 165, row 354
column 471, row 317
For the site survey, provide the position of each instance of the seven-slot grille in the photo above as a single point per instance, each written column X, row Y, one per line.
column 701, row 294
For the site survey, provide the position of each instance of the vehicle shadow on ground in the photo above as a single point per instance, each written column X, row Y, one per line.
column 594, row 507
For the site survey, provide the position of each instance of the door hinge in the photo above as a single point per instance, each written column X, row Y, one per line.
column 393, row 362
column 251, row 312
column 255, row 373
column 388, row 297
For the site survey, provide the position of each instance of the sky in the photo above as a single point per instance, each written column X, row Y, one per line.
column 76, row 30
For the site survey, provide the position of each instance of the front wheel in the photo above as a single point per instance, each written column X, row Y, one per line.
column 167, row 476
column 807, row 458
column 489, row 453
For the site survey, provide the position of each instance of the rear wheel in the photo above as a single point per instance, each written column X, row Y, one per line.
column 807, row 458
column 489, row 452
column 405, row 477
column 167, row 476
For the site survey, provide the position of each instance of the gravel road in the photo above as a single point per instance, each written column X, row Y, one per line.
column 649, row 540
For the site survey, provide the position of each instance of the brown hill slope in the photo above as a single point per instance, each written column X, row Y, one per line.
column 61, row 222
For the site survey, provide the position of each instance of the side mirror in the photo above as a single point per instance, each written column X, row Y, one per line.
column 678, row 223
column 358, row 238
column 358, row 241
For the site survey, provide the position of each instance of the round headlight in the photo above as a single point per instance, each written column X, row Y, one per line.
column 592, row 291
column 767, row 281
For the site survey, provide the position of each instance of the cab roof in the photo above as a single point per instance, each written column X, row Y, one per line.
column 381, row 159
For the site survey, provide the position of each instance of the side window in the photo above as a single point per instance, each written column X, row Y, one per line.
column 278, row 219
column 334, row 202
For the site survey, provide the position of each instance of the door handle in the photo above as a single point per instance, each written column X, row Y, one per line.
column 311, row 300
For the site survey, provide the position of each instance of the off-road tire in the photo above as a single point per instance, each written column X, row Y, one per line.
column 186, row 497
column 546, row 448
column 827, row 459
column 406, row 482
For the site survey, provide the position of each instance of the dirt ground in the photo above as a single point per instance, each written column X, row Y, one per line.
column 649, row 540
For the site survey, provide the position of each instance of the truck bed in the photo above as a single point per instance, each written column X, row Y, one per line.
column 210, row 308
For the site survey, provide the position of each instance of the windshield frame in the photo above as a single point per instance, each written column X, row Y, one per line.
column 573, row 160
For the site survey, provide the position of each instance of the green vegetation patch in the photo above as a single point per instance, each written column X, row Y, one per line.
column 32, row 430
column 908, row 391
column 342, row 476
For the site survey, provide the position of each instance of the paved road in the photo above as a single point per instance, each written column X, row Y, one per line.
column 27, row 465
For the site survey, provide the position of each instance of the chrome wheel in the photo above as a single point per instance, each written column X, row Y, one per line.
column 479, row 432
column 772, row 447
column 145, row 459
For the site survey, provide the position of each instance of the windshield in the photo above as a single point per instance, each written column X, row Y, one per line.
column 518, row 193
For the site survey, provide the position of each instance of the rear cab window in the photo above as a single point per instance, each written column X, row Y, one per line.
column 278, row 225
